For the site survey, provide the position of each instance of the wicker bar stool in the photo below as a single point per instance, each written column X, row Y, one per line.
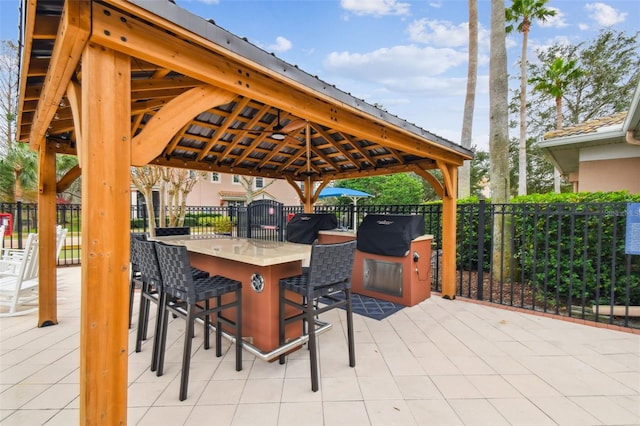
column 329, row 274
column 196, row 294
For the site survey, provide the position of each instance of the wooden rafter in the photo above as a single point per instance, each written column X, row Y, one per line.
column 193, row 61
column 73, row 34
column 148, row 144
column 242, row 103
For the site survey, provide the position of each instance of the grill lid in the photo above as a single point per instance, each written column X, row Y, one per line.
column 303, row 227
column 389, row 235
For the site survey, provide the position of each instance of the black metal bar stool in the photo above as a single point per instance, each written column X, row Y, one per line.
column 151, row 286
column 329, row 274
column 135, row 277
column 179, row 283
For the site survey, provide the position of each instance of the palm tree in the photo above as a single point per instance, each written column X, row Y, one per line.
column 19, row 174
column 498, row 129
column 464, row 176
column 498, row 101
column 557, row 76
column 524, row 12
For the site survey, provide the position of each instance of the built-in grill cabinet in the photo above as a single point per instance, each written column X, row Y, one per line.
column 303, row 228
column 393, row 259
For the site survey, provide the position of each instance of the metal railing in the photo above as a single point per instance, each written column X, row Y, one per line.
column 563, row 258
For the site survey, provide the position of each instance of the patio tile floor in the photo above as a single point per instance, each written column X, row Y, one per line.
column 438, row 363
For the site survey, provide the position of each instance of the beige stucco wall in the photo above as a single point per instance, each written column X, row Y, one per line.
column 207, row 193
column 610, row 175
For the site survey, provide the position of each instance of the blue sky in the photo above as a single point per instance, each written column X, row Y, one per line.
column 410, row 57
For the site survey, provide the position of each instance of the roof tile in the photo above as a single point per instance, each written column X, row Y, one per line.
column 590, row 126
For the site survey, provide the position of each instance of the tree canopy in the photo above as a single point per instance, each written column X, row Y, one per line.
column 609, row 71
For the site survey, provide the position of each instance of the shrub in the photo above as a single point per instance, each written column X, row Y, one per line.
column 221, row 225
column 564, row 246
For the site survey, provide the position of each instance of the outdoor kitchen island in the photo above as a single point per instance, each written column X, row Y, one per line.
column 259, row 265
column 393, row 259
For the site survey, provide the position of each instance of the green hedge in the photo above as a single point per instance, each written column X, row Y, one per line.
column 220, row 224
column 543, row 258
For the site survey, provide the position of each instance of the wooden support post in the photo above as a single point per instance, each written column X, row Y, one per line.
column 47, row 285
column 449, row 212
column 106, row 158
column 308, row 194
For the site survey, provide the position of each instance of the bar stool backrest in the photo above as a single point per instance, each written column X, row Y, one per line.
column 132, row 253
column 148, row 261
column 331, row 264
column 178, row 230
column 176, row 271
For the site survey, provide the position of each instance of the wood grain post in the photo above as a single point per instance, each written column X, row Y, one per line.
column 106, row 157
column 449, row 212
column 47, row 284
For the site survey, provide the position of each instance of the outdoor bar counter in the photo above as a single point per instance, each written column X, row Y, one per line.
column 259, row 265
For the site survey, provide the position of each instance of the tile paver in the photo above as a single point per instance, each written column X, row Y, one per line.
column 438, row 363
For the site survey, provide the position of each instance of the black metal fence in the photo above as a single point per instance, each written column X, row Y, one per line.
column 563, row 258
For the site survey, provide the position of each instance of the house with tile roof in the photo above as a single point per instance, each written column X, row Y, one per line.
column 601, row 154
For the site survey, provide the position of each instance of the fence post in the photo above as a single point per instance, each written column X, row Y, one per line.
column 18, row 223
column 481, row 221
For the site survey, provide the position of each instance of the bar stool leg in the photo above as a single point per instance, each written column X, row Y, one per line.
column 163, row 337
column 352, row 350
column 313, row 349
column 239, row 330
column 186, row 355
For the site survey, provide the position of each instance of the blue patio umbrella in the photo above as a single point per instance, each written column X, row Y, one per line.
column 345, row 192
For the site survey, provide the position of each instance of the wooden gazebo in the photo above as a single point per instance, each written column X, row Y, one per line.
column 121, row 83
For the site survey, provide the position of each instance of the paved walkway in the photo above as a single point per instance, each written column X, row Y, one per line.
column 439, row 363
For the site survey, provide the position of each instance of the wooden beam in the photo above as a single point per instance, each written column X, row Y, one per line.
column 150, row 143
column 242, row 103
column 127, row 34
column 45, row 28
column 319, row 189
column 308, row 195
column 106, row 203
column 74, row 95
column 295, row 186
column 69, row 177
column 447, row 177
column 449, row 213
column 29, row 22
column 435, row 183
column 47, row 284
column 73, row 33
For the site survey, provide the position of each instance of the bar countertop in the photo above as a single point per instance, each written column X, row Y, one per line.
column 246, row 250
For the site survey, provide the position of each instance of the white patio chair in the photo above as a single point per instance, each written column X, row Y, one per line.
column 9, row 257
column 61, row 235
column 19, row 279
column 14, row 256
column 19, row 274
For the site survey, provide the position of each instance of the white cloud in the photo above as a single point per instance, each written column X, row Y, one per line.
column 435, row 5
column 281, row 45
column 539, row 46
column 402, row 69
column 397, row 61
column 375, row 7
column 440, row 33
column 556, row 21
column 209, row 1
column 445, row 33
column 604, row 14
column 583, row 26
